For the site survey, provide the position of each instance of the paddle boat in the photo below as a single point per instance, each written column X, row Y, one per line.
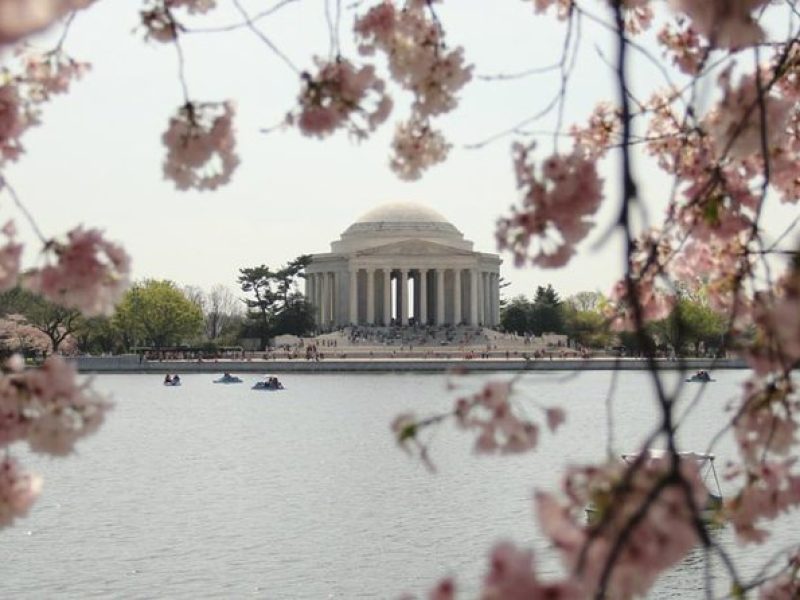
column 710, row 513
column 228, row 378
column 269, row 384
column 700, row 377
column 172, row 380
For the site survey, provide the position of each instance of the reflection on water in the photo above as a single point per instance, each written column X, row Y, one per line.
column 197, row 491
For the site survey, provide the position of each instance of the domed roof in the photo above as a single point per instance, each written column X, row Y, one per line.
column 397, row 217
column 397, row 221
column 402, row 212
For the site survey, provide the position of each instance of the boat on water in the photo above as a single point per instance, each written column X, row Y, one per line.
column 172, row 380
column 710, row 513
column 228, row 378
column 269, row 384
column 700, row 377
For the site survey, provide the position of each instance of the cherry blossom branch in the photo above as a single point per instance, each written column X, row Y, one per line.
column 252, row 20
column 521, row 74
column 4, row 184
column 260, row 35
column 565, row 65
column 182, row 71
column 65, row 31
column 333, row 28
column 610, row 414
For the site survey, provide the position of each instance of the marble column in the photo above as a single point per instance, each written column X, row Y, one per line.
column 404, row 296
column 495, row 298
column 387, row 297
column 415, row 299
column 423, row 297
column 314, row 298
column 473, row 297
column 487, row 300
column 336, row 299
column 320, row 296
column 310, row 291
column 440, row 296
column 329, row 298
column 370, row 296
column 398, row 299
column 456, row 296
column 323, row 305
column 354, row 296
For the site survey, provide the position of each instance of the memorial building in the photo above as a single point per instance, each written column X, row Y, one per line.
column 403, row 264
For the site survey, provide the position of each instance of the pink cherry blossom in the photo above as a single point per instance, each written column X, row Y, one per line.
column 725, row 23
column 563, row 7
column 660, row 538
column 602, row 131
column 193, row 6
column 20, row 18
column 499, row 426
column 637, row 15
column 18, row 335
column 709, row 266
column 90, row 273
column 418, row 59
column 18, row 491
column 767, row 420
column 684, row 46
column 51, row 73
column 777, row 315
column 160, row 24
column 770, row 489
column 444, row 590
column 201, row 145
column 786, row 585
column 512, row 576
column 14, row 120
column 340, row 95
column 555, row 418
column 48, row 407
column 416, row 146
column 9, row 258
column 556, row 210
column 159, row 21
column 735, row 122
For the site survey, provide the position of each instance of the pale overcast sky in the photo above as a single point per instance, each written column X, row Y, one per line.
column 96, row 159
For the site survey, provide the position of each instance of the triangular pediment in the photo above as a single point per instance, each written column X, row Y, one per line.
column 414, row 248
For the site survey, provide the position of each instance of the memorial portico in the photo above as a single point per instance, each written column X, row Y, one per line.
column 399, row 264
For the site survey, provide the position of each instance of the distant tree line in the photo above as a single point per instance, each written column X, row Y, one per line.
column 159, row 313
column 692, row 325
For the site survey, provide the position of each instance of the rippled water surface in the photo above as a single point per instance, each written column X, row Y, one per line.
column 220, row 491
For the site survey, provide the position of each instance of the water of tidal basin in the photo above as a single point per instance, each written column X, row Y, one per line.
column 224, row 492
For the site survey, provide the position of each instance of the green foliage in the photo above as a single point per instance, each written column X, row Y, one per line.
column 258, row 282
column 98, row 335
column 546, row 315
column 691, row 323
column 636, row 345
column 156, row 313
column 514, row 318
column 587, row 327
column 296, row 318
column 543, row 315
column 273, row 307
column 580, row 317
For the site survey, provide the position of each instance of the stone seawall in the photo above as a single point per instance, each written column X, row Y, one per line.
column 132, row 364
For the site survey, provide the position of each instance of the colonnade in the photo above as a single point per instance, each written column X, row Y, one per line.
column 441, row 295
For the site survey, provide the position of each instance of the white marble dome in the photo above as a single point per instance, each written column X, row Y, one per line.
column 401, row 212
column 398, row 221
